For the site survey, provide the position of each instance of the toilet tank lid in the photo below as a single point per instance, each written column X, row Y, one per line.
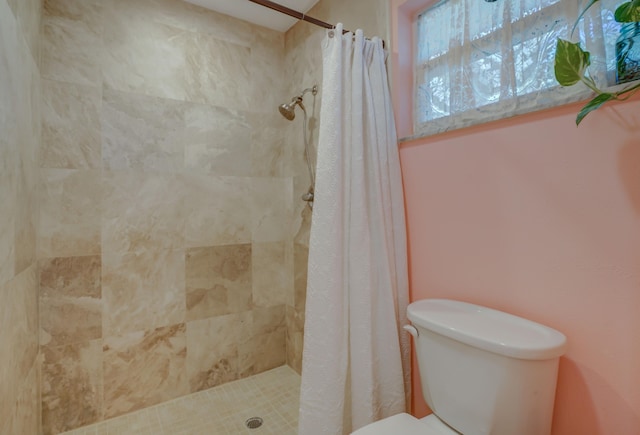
column 488, row 329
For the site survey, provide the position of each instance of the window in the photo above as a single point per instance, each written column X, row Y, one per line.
column 477, row 61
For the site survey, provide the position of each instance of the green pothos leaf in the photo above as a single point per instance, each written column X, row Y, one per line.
column 571, row 61
column 628, row 12
column 593, row 105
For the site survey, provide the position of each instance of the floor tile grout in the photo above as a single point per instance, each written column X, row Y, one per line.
column 219, row 410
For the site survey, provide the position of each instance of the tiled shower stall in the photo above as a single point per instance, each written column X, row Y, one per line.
column 152, row 240
column 165, row 247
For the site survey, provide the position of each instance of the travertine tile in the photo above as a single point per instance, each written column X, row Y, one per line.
column 9, row 387
column 22, row 302
column 7, row 227
column 144, row 368
column 212, row 358
column 25, row 411
column 144, row 133
column 9, row 155
column 28, row 110
column 266, row 67
column 269, row 319
column 272, row 274
column 140, row 55
column 218, row 280
column 71, row 126
column 70, row 209
column 18, row 323
column 72, row 386
column 29, row 14
column 19, row 140
column 301, row 259
column 13, row 4
column 142, row 291
column 217, row 72
column 223, row 410
column 294, row 338
column 26, row 214
column 142, row 212
column 270, row 350
column 246, row 359
column 272, row 209
column 84, row 11
column 296, row 312
column 187, row 415
column 72, row 41
column 218, row 141
column 70, row 300
column 185, row 90
column 264, row 348
column 205, row 302
column 144, row 422
column 267, row 42
column 196, row 19
column 301, row 225
column 267, row 144
column 220, row 210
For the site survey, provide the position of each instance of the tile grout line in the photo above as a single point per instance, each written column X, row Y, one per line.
column 149, row 420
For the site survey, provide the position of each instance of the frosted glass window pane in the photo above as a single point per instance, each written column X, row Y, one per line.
column 520, row 9
column 531, row 58
column 437, row 31
column 483, row 20
column 485, row 80
column 434, row 96
column 478, row 61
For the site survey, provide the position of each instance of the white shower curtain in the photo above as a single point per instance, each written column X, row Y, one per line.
column 356, row 359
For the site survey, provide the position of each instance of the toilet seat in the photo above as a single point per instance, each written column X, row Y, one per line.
column 405, row 424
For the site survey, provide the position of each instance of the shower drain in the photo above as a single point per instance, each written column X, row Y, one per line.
column 254, row 422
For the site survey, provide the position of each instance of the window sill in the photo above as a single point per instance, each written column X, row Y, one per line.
column 530, row 103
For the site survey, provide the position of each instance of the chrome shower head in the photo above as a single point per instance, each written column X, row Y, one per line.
column 288, row 110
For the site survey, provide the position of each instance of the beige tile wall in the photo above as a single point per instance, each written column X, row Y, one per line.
column 303, row 58
column 165, row 245
column 20, row 98
column 172, row 243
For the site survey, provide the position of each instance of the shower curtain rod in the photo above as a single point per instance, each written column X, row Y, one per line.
column 296, row 14
column 293, row 13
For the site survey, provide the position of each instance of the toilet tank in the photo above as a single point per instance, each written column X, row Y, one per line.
column 484, row 371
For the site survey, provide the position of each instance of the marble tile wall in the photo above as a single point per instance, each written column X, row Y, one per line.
column 165, row 249
column 303, row 58
column 20, row 96
column 170, row 231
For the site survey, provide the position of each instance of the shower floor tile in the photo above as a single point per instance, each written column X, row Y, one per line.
column 272, row 396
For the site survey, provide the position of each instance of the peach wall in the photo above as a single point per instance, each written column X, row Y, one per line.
column 541, row 219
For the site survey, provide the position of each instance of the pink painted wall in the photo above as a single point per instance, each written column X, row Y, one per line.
column 541, row 219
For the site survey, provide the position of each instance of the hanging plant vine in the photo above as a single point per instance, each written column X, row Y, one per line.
column 572, row 63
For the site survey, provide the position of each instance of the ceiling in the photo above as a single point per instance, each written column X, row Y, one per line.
column 254, row 13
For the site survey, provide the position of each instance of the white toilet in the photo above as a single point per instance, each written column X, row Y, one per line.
column 483, row 372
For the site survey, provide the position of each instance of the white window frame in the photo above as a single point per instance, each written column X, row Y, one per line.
column 551, row 96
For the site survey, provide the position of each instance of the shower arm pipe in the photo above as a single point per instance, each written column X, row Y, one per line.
column 313, row 90
column 296, row 14
column 299, row 98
